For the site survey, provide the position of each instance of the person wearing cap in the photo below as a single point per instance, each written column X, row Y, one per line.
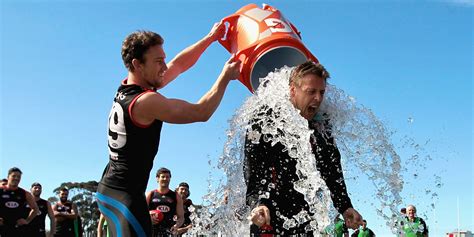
column 37, row 227
column 136, row 118
column 14, row 216
column 269, row 169
column 414, row 226
column 168, row 203
column 184, row 193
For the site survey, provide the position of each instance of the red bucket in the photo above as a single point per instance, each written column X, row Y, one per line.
column 263, row 40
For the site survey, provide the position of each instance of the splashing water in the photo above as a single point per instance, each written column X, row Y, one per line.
column 361, row 137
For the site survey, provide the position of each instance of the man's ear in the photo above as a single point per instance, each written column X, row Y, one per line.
column 136, row 64
column 292, row 90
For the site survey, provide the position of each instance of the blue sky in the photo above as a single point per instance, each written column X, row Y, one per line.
column 61, row 65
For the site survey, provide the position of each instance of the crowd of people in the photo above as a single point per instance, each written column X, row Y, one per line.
column 23, row 213
column 134, row 131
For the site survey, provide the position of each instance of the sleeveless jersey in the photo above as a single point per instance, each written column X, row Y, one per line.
column 66, row 226
column 132, row 146
column 12, row 205
column 37, row 224
column 166, row 203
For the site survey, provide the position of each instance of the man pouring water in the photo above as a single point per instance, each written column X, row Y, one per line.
column 270, row 172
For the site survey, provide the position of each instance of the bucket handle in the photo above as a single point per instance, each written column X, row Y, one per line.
column 229, row 32
column 295, row 29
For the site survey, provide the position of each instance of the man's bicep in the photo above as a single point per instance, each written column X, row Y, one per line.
column 156, row 106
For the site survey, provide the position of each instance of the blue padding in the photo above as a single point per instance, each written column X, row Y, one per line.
column 124, row 210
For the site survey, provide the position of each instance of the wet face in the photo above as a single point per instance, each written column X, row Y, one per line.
column 308, row 96
column 411, row 212
column 164, row 180
column 152, row 70
column 183, row 191
column 63, row 196
column 14, row 179
column 36, row 191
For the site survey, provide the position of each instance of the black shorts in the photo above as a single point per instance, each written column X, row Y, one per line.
column 126, row 213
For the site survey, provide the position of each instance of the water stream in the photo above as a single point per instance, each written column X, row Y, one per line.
column 364, row 141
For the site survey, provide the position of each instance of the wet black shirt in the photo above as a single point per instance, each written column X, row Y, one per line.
column 266, row 165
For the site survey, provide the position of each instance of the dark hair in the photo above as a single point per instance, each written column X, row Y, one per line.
column 36, row 184
column 64, row 189
column 308, row 67
column 403, row 209
column 163, row 170
column 136, row 44
column 5, row 180
column 184, row 184
column 14, row 169
column 364, row 221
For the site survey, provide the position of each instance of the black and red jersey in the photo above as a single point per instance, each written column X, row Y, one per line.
column 166, row 203
column 12, row 205
column 132, row 146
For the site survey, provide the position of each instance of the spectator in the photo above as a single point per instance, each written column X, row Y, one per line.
column 65, row 214
column 14, row 216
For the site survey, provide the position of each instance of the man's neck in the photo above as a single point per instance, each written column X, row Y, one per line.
column 135, row 79
column 163, row 189
column 37, row 198
column 12, row 187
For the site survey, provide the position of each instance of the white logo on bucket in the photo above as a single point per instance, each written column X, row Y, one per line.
column 274, row 22
column 12, row 204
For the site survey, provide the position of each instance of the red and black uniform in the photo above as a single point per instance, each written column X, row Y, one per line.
column 36, row 228
column 269, row 162
column 187, row 213
column 166, row 203
column 64, row 226
column 12, row 208
column 132, row 149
